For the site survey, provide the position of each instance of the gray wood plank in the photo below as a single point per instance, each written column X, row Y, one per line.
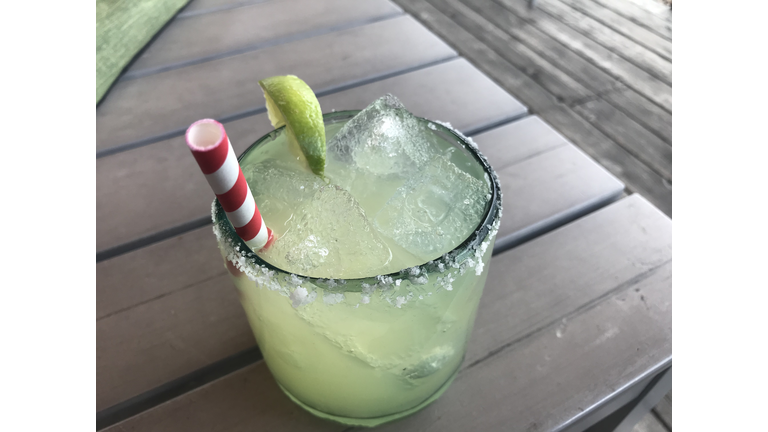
column 620, row 24
column 245, row 401
column 541, row 192
column 207, row 6
column 629, row 74
column 539, row 283
column 554, row 179
column 543, row 383
column 619, row 44
column 651, row 14
column 163, row 176
column 664, row 410
column 649, row 423
column 635, row 139
column 557, row 82
column 169, row 101
column 206, row 36
column 564, row 322
column 175, row 334
column 636, row 175
column 643, row 111
column 493, row 18
column 159, row 270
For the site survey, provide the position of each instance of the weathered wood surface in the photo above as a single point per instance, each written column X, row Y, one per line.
column 163, row 176
column 627, row 48
column 208, row 6
column 620, row 24
column 642, row 143
column 567, row 183
column 227, row 32
column 565, row 321
column 612, row 63
column 649, row 423
column 651, row 14
column 559, row 113
column 141, row 303
column 490, row 22
column 631, row 136
column 171, row 101
column 664, row 410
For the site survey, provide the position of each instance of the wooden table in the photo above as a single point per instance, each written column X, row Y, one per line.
column 575, row 320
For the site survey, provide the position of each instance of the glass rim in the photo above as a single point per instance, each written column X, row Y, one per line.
column 459, row 253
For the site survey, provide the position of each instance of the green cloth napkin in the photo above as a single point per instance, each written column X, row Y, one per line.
column 123, row 27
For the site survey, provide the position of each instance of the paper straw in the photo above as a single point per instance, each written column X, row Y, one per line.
column 213, row 152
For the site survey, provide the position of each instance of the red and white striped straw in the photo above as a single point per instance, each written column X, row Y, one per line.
column 214, row 154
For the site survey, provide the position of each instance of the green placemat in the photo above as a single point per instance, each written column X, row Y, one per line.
column 123, row 27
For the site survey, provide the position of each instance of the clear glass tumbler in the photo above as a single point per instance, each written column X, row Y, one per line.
column 366, row 351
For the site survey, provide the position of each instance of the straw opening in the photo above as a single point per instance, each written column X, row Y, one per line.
column 204, row 134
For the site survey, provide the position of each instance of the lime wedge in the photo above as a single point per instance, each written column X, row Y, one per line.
column 292, row 103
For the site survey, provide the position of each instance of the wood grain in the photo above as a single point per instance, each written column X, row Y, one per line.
column 153, row 105
column 630, row 135
column 616, row 66
column 627, row 48
column 642, row 111
column 651, row 14
column 163, row 176
column 566, row 320
column 640, row 34
column 557, row 82
column 490, row 16
column 198, row 37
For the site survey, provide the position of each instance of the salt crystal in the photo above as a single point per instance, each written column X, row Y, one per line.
column 368, row 289
column 333, row 298
column 479, row 268
column 298, row 296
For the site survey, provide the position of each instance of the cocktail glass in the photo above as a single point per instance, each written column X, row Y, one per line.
column 371, row 350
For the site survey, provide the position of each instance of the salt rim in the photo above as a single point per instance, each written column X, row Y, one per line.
column 302, row 290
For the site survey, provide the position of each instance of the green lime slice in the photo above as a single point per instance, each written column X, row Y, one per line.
column 292, row 103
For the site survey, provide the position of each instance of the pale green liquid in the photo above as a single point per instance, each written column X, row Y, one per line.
column 357, row 358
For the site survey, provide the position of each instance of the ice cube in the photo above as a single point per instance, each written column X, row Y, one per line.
column 434, row 211
column 329, row 236
column 383, row 139
column 279, row 186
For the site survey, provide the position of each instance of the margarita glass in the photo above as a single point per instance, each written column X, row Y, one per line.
column 365, row 350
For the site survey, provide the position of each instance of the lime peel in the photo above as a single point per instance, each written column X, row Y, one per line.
column 292, row 103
